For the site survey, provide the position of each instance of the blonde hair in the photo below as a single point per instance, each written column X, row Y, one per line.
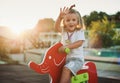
column 80, row 20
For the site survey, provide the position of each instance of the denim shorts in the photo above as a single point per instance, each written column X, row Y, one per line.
column 74, row 65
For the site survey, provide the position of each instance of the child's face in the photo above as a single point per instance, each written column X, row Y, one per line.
column 70, row 22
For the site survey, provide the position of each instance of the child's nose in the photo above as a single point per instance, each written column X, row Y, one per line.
column 71, row 21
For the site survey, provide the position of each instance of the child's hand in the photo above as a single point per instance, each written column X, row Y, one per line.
column 64, row 49
column 61, row 49
column 63, row 12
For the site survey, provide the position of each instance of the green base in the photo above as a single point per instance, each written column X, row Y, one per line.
column 81, row 78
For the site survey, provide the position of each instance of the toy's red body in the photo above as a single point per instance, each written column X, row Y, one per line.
column 53, row 62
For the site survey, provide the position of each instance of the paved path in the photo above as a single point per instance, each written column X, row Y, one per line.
column 20, row 74
column 107, row 72
column 23, row 74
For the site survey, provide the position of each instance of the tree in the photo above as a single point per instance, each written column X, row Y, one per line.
column 117, row 19
column 94, row 16
column 3, row 48
column 101, row 33
column 116, row 38
column 45, row 25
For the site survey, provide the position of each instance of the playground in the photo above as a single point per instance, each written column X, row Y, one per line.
column 107, row 69
column 23, row 74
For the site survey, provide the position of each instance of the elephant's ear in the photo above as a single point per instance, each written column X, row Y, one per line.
column 51, row 52
column 55, row 55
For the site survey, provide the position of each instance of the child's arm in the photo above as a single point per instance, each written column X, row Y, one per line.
column 71, row 46
column 63, row 12
column 75, row 44
column 57, row 24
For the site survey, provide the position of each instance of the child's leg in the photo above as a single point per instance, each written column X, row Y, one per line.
column 66, row 75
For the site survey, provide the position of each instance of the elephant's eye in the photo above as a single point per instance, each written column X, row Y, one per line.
column 50, row 57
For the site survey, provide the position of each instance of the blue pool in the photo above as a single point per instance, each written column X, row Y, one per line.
column 109, row 53
column 102, row 52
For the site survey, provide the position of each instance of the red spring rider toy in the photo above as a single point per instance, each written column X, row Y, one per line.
column 53, row 62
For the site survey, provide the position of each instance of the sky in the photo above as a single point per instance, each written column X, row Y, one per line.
column 24, row 14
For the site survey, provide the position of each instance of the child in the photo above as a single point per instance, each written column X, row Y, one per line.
column 72, row 40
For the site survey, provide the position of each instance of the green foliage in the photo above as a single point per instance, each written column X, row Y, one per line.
column 94, row 16
column 98, row 16
column 117, row 25
column 116, row 38
column 102, row 31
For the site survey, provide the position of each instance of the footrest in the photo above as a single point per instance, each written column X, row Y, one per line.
column 80, row 78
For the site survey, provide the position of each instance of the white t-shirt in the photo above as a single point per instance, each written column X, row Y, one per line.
column 77, row 35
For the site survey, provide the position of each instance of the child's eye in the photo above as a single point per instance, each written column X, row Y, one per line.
column 74, row 19
column 68, row 20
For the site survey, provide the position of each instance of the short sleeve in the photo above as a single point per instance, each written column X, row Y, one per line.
column 80, row 35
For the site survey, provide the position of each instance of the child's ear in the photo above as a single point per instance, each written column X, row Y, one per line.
column 79, row 26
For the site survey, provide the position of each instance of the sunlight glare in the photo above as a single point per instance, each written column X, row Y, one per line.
column 17, row 31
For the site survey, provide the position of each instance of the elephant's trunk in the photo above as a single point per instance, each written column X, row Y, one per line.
column 40, row 68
